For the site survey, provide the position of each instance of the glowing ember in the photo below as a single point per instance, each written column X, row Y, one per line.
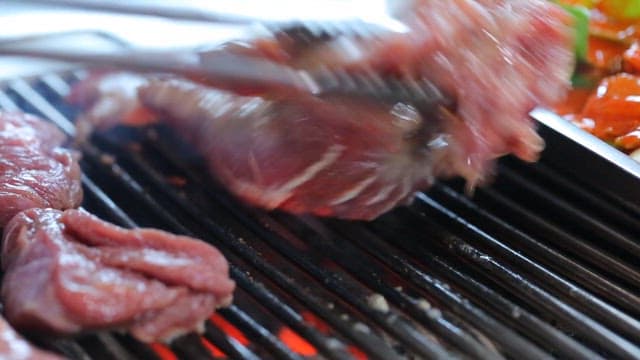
column 357, row 353
column 212, row 348
column 229, row 329
column 315, row 322
column 163, row 351
column 296, row 343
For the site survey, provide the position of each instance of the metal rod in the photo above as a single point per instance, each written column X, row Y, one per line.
column 224, row 70
column 29, row 38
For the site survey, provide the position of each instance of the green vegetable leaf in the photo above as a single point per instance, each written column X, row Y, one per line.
column 581, row 26
column 583, row 81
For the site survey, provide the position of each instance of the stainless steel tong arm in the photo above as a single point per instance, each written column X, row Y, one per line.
column 241, row 73
column 225, row 70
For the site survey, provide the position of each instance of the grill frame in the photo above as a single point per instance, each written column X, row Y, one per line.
column 444, row 250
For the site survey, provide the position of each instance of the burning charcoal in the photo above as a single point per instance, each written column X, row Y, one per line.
column 69, row 272
column 34, row 170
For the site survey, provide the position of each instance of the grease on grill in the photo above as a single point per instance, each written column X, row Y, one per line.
column 378, row 302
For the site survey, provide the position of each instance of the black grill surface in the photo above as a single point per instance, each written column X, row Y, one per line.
column 535, row 266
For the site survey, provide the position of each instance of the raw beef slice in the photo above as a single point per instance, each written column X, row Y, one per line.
column 34, row 170
column 68, row 272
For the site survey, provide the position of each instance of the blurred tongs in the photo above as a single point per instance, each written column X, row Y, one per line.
column 237, row 72
column 242, row 74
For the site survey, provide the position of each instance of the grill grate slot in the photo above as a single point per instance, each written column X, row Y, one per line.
column 505, row 310
column 521, row 241
column 572, row 190
column 535, row 293
column 489, row 277
column 586, row 226
column 366, row 271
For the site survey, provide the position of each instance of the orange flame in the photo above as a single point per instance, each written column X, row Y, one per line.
column 357, row 353
column 324, row 328
column 315, row 322
column 212, row 348
column 229, row 329
column 296, row 343
column 139, row 116
column 163, row 351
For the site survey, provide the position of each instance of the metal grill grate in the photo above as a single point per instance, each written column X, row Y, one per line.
column 535, row 266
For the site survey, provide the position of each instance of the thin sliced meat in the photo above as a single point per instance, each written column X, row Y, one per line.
column 498, row 58
column 34, row 170
column 69, row 272
column 14, row 347
column 332, row 158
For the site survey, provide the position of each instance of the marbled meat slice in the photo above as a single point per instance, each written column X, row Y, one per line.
column 68, row 272
column 339, row 158
column 34, row 170
column 14, row 347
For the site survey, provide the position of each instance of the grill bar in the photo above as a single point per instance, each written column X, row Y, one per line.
column 488, row 277
column 573, row 214
column 70, row 349
column 619, row 296
column 534, row 294
column 366, row 271
column 255, row 330
column 230, row 346
column 189, row 347
column 597, row 203
column 506, row 310
column 398, row 326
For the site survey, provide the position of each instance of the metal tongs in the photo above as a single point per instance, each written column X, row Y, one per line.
column 237, row 72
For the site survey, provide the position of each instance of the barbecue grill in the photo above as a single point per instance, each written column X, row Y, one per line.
column 544, row 263
column 537, row 265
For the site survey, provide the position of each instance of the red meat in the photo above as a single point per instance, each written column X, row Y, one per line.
column 34, row 170
column 333, row 158
column 14, row 347
column 67, row 272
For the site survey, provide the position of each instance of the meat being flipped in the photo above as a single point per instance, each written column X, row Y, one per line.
column 356, row 159
column 68, row 272
column 14, row 347
column 35, row 171
column 498, row 58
